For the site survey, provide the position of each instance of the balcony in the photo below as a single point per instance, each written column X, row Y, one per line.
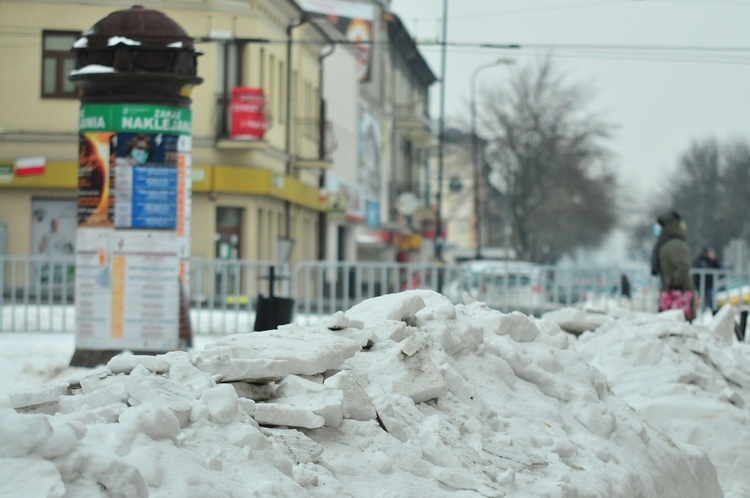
column 412, row 118
column 314, row 143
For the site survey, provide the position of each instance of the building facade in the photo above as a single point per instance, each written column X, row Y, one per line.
column 248, row 191
column 340, row 124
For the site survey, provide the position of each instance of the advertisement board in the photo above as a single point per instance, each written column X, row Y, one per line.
column 247, row 113
column 369, row 164
column 354, row 20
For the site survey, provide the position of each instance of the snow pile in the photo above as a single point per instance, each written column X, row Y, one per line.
column 402, row 395
column 693, row 382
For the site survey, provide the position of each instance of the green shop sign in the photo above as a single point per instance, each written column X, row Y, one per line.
column 136, row 118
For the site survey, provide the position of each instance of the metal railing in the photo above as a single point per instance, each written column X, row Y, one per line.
column 37, row 293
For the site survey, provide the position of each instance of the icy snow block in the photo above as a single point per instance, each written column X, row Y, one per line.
column 387, row 330
column 227, row 367
column 37, row 396
column 126, row 362
column 46, row 480
column 402, row 307
column 342, row 326
column 409, row 371
column 357, row 404
column 296, row 385
column 114, row 393
column 307, row 351
column 339, row 321
column 299, row 448
column 222, row 402
column 160, row 391
column 722, row 324
column 361, row 337
column 287, row 415
column 185, row 374
column 328, row 403
column 422, row 380
column 517, row 326
column 255, row 392
column 100, row 381
column 388, row 414
column 575, row 321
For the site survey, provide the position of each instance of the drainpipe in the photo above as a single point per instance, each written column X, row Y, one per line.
column 288, row 138
column 322, row 217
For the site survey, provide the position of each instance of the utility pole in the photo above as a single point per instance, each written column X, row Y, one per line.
column 441, row 141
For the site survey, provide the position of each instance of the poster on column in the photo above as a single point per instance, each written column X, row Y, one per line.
column 127, row 293
column 93, row 288
column 134, row 169
column 134, row 159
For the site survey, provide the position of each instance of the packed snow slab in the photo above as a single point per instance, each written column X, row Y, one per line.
column 692, row 382
column 441, row 400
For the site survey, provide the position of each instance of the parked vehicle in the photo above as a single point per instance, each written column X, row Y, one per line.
column 504, row 285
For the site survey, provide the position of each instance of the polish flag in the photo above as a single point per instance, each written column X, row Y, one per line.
column 27, row 166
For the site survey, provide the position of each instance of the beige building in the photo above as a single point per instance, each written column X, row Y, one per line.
column 247, row 192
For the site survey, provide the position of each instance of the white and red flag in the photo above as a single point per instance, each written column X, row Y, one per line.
column 27, row 166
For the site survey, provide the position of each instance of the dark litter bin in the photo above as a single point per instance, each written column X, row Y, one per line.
column 739, row 328
column 272, row 311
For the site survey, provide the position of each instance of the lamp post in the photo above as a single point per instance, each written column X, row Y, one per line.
column 474, row 151
column 441, row 141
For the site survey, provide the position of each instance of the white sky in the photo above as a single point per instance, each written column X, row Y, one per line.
column 469, row 402
column 659, row 106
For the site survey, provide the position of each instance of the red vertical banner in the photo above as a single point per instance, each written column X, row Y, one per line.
column 247, row 113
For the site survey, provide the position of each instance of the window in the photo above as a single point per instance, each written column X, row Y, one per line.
column 229, row 73
column 281, row 92
column 58, row 60
column 272, row 97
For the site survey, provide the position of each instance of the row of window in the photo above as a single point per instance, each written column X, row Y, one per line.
column 58, row 60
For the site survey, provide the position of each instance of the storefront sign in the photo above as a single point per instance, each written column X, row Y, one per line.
column 6, row 172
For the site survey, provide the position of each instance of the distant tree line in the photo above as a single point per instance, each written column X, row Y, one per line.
column 710, row 188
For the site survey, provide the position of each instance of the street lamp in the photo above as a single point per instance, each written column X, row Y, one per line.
column 474, row 152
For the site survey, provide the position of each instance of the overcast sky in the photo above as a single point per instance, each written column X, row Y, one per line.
column 660, row 101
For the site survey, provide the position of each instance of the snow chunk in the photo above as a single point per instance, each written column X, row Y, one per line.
column 402, row 307
column 305, row 351
column 357, row 404
column 575, row 321
column 339, row 321
column 37, row 396
column 46, row 480
column 287, row 415
column 126, row 362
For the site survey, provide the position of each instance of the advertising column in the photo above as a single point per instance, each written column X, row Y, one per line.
column 134, row 73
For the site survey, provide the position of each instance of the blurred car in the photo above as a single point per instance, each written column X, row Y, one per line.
column 503, row 285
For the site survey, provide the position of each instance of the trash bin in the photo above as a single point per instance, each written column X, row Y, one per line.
column 272, row 311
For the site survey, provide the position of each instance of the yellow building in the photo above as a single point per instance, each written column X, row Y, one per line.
column 247, row 192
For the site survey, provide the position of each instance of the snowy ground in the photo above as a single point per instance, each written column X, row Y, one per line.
column 404, row 395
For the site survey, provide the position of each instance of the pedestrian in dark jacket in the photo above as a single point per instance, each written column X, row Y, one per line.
column 671, row 262
column 707, row 261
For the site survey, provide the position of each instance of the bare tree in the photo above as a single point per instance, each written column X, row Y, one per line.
column 550, row 167
column 710, row 191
